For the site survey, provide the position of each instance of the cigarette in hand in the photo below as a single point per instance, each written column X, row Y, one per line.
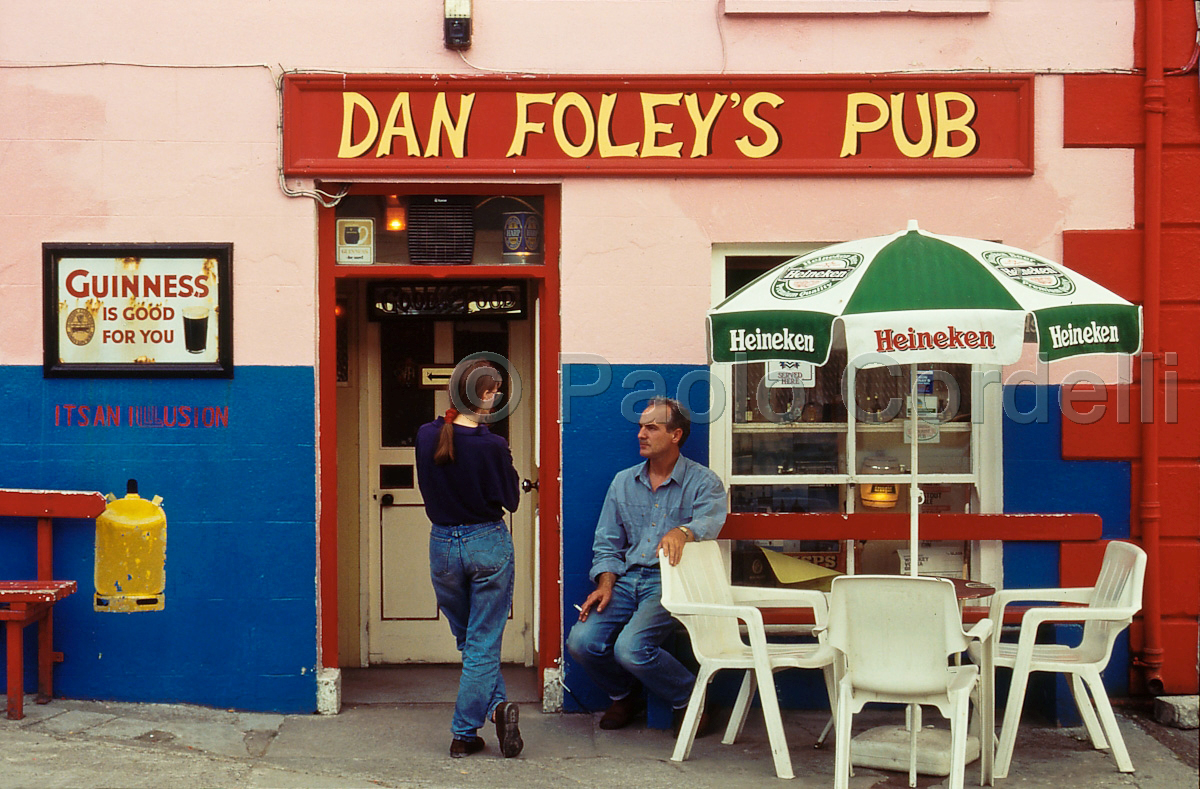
column 578, row 608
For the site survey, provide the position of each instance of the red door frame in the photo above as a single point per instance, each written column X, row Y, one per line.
column 545, row 278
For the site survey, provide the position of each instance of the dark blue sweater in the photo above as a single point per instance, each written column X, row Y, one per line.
column 477, row 487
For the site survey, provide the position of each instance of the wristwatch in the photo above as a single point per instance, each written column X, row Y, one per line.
column 686, row 532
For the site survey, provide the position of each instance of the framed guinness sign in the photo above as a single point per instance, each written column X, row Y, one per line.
column 137, row 310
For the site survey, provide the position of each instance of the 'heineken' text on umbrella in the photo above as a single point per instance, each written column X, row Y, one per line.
column 919, row 297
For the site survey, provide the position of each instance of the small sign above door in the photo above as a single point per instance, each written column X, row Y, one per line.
column 355, row 241
column 458, row 300
column 436, row 377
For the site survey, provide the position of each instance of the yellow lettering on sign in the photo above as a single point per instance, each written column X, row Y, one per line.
column 653, row 127
column 348, row 149
column 771, row 144
column 608, row 149
column 855, row 127
column 572, row 149
column 456, row 133
column 903, row 144
column 400, row 109
column 935, row 132
column 945, row 125
column 524, row 127
column 703, row 122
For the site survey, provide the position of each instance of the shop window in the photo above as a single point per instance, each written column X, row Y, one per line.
column 836, row 439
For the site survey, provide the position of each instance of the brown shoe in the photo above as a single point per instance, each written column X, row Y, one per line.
column 703, row 730
column 461, row 748
column 507, row 730
column 622, row 712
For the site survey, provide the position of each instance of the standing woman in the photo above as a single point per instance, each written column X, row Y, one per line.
column 467, row 480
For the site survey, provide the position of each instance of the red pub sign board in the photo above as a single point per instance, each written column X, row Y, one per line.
column 339, row 125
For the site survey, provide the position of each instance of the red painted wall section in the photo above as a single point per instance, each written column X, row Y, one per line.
column 1102, row 111
column 1107, row 111
column 1113, row 258
column 1102, row 424
column 1178, row 645
column 1181, row 252
column 1181, row 503
column 1181, row 199
column 1079, row 563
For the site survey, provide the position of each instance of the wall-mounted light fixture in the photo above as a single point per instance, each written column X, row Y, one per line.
column 457, row 30
column 393, row 215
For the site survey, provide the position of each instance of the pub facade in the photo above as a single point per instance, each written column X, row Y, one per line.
column 244, row 263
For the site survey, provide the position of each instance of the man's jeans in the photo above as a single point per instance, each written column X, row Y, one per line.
column 623, row 642
column 472, row 572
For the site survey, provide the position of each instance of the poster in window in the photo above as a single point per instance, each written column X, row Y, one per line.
column 138, row 310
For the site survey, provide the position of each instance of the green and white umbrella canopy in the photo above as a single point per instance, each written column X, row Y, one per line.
column 916, row 297
column 920, row 297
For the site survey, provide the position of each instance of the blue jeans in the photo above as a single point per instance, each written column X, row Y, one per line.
column 623, row 642
column 472, row 571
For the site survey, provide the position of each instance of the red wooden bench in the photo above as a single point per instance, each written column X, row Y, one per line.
column 24, row 602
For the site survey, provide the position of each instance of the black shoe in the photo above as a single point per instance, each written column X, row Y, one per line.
column 461, row 748
column 507, row 730
column 623, row 711
column 703, row 730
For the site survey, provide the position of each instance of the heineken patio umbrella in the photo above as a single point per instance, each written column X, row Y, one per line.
column 917, row 297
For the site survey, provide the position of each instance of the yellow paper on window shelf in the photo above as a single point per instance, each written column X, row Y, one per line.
column 791, row 571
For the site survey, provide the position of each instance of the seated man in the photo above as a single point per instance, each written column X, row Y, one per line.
column 657, row 505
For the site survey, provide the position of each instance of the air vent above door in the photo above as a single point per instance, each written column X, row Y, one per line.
column 441, row 230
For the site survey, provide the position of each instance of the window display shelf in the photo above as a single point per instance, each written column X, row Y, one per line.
column 897, row 425
column 789, row 427
column 894, row 426
column 793, row 479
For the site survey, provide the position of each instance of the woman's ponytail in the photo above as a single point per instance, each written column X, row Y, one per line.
column 443, row 453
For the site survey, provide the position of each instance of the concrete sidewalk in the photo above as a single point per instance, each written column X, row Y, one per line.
column 81, row 744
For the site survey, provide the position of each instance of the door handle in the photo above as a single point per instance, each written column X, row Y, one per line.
column 528, row 485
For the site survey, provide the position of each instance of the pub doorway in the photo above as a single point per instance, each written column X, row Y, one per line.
column 398, row 367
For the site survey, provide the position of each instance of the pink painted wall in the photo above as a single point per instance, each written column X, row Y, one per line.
column 176, row 139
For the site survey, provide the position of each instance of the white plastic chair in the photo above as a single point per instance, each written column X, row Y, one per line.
column 698, row 593
column 1110, row 606
column 895, row 635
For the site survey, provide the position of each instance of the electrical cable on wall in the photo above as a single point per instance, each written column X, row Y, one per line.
column 323, row 198
column 1195, row 58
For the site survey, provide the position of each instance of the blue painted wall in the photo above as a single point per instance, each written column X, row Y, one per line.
column 601, row 406
column 239, row 627
column 1037, row 479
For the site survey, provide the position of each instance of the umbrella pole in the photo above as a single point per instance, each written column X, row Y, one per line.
column 914, row 492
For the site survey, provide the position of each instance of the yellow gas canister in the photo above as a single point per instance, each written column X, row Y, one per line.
column 131, row 553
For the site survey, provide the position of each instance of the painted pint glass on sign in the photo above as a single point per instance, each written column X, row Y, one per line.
column 195, row 329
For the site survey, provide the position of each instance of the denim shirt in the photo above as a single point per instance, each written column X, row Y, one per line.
column 635, row 518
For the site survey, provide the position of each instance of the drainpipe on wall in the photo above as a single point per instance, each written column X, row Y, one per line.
column 1151, row 659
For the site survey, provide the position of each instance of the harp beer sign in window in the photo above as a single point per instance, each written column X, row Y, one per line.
column 138, row 310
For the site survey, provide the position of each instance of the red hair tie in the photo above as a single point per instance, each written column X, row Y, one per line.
column 451, row 414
